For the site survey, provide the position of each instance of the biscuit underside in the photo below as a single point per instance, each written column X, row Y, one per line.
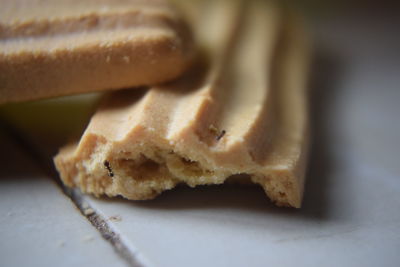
column 242, row 114
column 53, row 48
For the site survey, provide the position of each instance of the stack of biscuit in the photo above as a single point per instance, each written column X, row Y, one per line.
column 198, row 92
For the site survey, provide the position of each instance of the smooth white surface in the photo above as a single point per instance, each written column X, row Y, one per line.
column 351, row 211
column 39, row 225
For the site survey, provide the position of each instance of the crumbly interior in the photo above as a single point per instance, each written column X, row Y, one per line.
column 144, row 171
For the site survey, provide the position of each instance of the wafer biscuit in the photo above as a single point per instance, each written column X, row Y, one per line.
column 54, row 48
column 243, row 112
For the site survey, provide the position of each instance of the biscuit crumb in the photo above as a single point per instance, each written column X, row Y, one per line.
column 88, row 212
column 115, row 218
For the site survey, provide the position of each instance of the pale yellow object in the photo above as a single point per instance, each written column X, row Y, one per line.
column 52, row 48
column 244, row 113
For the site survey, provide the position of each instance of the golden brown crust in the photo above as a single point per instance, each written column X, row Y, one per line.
column 110, row 46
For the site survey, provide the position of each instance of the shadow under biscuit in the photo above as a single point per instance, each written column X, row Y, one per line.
column 325, row 75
